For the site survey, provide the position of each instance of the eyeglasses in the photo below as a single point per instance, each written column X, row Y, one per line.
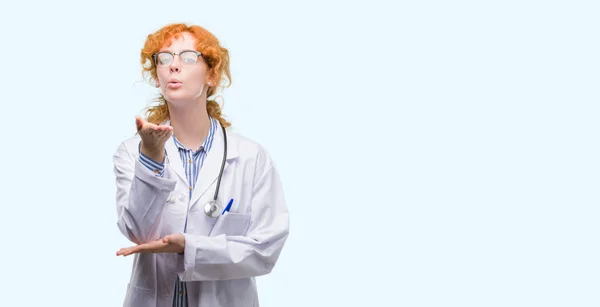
column 187, row 57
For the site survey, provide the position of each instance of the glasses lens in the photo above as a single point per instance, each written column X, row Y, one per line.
column 189, row 57
column 163, row 58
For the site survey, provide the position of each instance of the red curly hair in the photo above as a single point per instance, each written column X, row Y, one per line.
column 215, row 56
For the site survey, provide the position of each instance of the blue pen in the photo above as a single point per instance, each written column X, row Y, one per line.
column 228, row 207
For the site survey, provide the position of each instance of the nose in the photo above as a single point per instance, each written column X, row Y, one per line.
column 175, row 65
column 174, row 68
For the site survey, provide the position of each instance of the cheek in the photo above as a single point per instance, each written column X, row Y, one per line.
column 161, row 77
column 197, row 75
column 196, row 79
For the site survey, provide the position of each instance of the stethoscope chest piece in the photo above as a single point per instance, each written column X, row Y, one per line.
column 212, row 208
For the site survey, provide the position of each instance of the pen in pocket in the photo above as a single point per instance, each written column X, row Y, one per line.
column 226, row 210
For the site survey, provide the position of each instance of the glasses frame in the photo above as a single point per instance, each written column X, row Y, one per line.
column 173, row 54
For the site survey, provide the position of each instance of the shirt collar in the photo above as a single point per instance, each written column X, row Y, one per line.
column 208, row 141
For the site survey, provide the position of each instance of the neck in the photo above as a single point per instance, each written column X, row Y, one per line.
column 190, row 124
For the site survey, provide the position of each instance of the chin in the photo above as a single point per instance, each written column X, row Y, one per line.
column 177, row 97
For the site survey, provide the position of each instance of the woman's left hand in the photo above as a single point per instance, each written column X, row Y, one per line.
column 174, row 243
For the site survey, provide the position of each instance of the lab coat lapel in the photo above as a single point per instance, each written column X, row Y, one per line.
column 209, row 173
column 174, row 158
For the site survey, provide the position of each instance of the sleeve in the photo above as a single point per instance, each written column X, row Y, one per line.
column 231, row 257
column 143, row 187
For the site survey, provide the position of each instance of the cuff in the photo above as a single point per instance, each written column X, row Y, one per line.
column 156, row 167
column 187, row 262
column 163, row 182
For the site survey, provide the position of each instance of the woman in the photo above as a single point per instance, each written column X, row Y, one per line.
column 190, row 252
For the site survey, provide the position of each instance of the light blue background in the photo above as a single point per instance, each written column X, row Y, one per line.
column 433, row 153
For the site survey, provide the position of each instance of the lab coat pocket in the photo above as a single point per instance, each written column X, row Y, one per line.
column 231, row 224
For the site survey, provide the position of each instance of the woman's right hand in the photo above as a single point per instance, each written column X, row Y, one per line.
column 153, row 137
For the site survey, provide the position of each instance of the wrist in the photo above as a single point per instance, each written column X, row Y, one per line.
column 156, row 154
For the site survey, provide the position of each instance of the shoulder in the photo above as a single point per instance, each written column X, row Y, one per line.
column 250, row 150
column 128, row 146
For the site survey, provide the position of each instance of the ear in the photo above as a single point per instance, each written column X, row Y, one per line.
column 210, row 78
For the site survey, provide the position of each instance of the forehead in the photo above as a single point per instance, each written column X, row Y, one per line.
column 182, row 41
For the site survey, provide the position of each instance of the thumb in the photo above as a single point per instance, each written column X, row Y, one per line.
column 167, row 239
column 139, row 122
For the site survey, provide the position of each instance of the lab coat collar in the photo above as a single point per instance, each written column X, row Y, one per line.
column 211, row 167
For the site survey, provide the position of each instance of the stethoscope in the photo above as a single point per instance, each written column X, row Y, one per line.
column 213, row 207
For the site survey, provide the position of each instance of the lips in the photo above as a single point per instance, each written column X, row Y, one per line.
column 174, row 84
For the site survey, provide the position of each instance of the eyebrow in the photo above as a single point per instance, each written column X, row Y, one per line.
column 171, row 51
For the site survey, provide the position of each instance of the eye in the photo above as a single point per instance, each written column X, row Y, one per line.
column 189, row 57
column 164, row 58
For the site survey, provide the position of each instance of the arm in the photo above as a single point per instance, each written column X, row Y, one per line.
column 231, row 257
column 141, row 195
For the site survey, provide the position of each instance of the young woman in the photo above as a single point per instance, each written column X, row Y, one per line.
column 204, row 205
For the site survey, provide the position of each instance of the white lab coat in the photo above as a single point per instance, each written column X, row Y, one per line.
column 222, row 255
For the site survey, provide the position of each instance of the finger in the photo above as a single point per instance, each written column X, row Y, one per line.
column 162, row 131
column 157, row 129
column 149, row 246
column 122, row 250
column 133, row 249
column 125, row 251
column 167, row 239
column 165, row 134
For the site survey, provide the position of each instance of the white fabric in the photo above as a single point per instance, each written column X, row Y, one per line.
column 222, row 255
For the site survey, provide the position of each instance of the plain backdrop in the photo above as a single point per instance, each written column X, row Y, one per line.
column 433, row 153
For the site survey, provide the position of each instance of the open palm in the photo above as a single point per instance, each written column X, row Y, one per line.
column 174, row 243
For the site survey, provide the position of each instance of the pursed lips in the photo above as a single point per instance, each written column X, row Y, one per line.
column 175, row 84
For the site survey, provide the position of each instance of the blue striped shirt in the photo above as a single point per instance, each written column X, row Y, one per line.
column 192, row 163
